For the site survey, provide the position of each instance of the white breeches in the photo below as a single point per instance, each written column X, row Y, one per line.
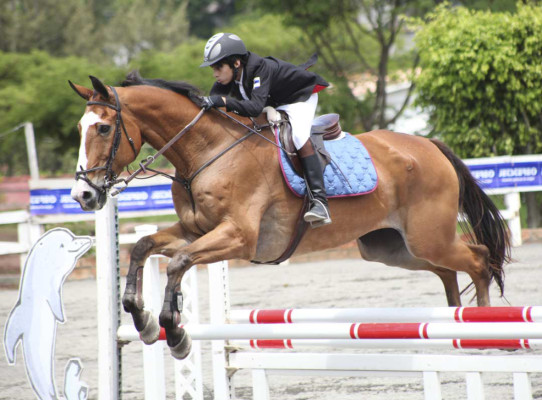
column 301, row 115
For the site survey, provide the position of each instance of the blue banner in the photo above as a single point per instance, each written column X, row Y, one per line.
column 497, row 175
column 508, row 175
column 135, row 198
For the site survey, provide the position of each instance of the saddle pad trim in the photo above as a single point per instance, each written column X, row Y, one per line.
column 279, row 150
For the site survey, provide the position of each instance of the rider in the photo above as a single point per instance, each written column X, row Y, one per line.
column 246, row 83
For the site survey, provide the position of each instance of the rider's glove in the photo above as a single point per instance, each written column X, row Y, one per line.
column 208, row 102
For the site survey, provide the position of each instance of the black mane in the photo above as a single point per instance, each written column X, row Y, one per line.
column 134, row 79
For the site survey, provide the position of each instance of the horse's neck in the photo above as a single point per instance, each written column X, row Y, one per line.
column 196, row 146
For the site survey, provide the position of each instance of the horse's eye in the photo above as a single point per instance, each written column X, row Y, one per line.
column 104, row 129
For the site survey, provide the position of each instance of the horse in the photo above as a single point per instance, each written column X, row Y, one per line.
column 237, row 206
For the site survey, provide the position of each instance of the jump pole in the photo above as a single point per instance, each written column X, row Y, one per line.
column 420, row 314
column 354, row 331
column 445, row 344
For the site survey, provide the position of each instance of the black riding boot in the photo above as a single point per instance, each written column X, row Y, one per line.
column 318, row 213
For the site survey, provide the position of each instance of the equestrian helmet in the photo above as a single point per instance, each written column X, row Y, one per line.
column 221, row 46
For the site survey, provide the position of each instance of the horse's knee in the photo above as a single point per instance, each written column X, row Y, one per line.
column 178, row 265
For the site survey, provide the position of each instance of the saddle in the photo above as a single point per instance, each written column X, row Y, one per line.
column 324, row 127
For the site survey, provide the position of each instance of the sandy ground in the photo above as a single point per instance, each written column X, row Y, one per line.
column 344, row 283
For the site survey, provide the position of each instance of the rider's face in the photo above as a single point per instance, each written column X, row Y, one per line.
column 224, row 73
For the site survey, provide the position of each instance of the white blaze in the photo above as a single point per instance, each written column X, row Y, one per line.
column 90, row 118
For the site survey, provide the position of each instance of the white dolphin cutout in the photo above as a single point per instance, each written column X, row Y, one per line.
column 39, row 308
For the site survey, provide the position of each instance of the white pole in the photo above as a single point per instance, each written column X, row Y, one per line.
column 219, row 301
column 109, row 384
column 431, row 330
column 153, row 355
column 31, row 150
column 513, row 203
column 188, row 375
column 28, row 233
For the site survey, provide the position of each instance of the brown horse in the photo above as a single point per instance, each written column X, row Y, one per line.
column 239, row 207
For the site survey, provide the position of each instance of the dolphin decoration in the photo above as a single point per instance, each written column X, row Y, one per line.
column 33, row 320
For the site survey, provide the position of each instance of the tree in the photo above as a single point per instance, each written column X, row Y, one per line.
column 183, row 62
column 92, row 28
column 140, row 25
column 27, row 25
column 34, row 88
column 481, row 81
column 206, row 15
column 354, row 37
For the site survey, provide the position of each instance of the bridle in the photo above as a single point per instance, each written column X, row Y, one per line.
column 110, row 178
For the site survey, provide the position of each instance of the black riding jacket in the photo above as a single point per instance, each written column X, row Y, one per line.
column 269, row 82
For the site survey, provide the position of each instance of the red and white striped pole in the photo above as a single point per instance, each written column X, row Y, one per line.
column 293, row 344
column 438, row 314
column 424, row 330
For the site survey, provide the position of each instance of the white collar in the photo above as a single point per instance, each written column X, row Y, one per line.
column 240, row 81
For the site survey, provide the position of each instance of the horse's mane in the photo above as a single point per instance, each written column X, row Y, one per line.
column 193, row 93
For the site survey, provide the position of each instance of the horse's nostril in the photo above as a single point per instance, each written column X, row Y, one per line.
column 86, row 195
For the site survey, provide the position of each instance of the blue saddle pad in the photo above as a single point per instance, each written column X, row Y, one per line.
column 351, row 173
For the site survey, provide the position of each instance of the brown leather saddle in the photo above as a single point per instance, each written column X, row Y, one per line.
column 324, row 127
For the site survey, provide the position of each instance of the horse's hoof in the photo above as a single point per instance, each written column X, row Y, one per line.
column 182, row 349
column 151, row 332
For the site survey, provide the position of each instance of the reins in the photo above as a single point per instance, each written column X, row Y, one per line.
column 143, row 167
column 187, row 182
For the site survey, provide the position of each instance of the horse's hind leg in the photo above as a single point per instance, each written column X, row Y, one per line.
column 439, row 244
column 161, row 242
column 472, row 259
column 388, row 246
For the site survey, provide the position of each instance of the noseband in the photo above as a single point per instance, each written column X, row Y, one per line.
column 110, row 177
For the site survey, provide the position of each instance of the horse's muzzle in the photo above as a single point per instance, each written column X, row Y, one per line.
column 88, row 198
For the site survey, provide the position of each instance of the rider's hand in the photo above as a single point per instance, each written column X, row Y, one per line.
column 208, row 102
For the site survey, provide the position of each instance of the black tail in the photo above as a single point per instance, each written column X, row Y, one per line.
column 488, row 225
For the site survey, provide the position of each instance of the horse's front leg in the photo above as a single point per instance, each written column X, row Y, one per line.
column 223, row 243
column 163, row 242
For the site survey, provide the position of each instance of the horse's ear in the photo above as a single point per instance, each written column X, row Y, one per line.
column 81, row 90
column 99, row 87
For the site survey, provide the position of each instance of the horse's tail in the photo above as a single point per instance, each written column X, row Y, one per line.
column 487, row 224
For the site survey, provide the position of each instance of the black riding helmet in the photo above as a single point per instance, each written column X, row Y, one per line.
column 221, row 46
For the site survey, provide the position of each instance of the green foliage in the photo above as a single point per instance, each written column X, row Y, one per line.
column 354, row 37
column 109, row 31
column 206, row 15
column 27, row 25
column 267, row 35
column 481, row 79
column 140, row 25
column 183, row 62
column 34, row 87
